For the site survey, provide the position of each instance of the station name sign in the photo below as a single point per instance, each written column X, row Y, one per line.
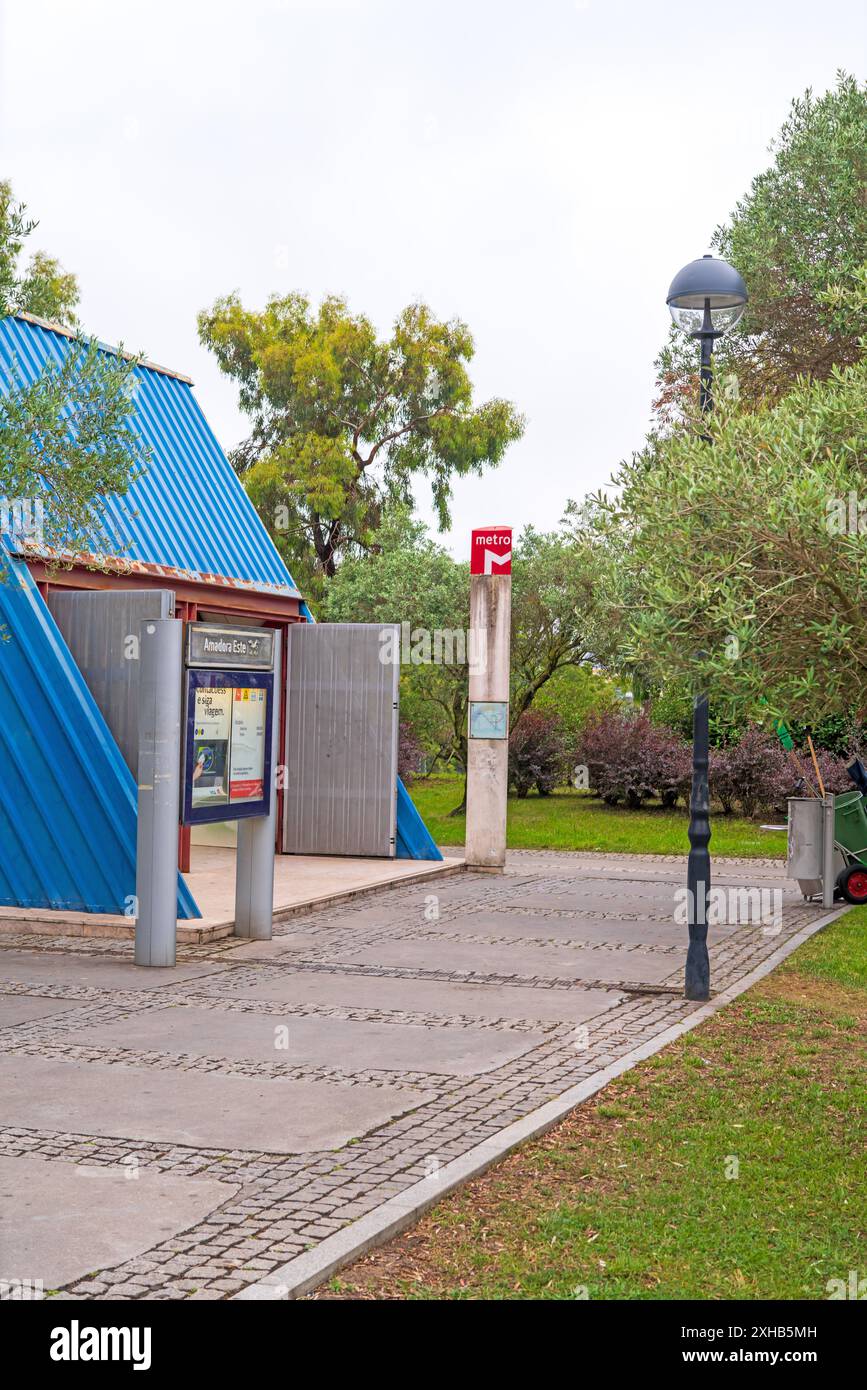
column 230, row 648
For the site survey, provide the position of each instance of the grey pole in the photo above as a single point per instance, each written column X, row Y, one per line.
column 254, row 865
column 828, row 852
column 159, row 763
column 697, row 973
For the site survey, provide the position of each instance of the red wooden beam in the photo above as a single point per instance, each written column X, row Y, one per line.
column 224, row 598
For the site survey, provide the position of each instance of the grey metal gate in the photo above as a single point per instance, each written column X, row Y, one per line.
column 101, row 629
column 340, row 784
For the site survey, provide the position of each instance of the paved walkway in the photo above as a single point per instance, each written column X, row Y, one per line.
column 185, row 1133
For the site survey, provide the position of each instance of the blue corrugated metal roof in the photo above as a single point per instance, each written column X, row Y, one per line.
column 67, row 798
column 414, row 840
column 188, row 511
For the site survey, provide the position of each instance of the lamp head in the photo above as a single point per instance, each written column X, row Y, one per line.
column 707, row 297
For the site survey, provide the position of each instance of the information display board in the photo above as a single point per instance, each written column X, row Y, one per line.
column 227, row 756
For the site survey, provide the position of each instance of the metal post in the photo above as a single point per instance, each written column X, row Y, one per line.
column 254, row 863
column 159, row 762
column 697, row 984
column 828, row 876
column 705, row 389
column 697, row 976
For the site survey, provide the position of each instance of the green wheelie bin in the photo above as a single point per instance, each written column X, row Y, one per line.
column 850, row 835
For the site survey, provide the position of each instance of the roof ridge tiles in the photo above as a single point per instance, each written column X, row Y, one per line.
column 66, row 332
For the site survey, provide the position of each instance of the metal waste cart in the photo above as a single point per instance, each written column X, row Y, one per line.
column 806, row 847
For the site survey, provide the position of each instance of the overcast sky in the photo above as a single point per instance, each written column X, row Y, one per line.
column 539, row 169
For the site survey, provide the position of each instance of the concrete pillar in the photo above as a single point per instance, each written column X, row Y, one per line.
column 254, row 863
column 488, row 758
column 159, row 768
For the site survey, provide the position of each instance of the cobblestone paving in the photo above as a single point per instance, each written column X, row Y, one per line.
column 283, row 1203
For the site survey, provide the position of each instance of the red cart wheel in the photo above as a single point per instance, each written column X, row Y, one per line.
column 853, row 884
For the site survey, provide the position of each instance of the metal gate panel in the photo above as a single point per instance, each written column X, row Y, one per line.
column 340, row 789
column 101, row 629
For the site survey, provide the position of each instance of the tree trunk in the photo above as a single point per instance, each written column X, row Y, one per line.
column 463, row 753
column 461, row 810
column 325, row 544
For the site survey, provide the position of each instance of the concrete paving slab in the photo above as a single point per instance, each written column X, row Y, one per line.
column 277, row 949
column 456, row 888
column 376, row 915
column 295, row 943
column 97, row 972
column 557, row 887
column 521, row 924
column 450, row 1000
column 634, row 898
column 327, row 1042
column 634, row 867
column 658, row 904
column 61, row 1221
column 587, row 870
column 197, row 1108
column 528, row 962
column 23, row 1008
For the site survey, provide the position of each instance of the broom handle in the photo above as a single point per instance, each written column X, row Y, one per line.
column 800, row 769
column 816, row 766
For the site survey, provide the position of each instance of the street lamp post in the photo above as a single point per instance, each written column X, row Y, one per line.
column 706, row 298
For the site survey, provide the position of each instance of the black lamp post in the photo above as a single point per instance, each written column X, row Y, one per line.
column 706, row 298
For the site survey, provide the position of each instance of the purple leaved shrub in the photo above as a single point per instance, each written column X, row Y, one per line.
column 630, row 760
column 538, row 756
column 751, row 774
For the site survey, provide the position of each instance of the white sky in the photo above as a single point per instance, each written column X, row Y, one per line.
column 540, row 170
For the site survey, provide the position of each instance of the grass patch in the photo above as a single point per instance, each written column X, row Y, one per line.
column 578, row 821
column 839, row 954
column 632, row 1196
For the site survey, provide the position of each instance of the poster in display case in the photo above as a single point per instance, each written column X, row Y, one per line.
column 227, row 758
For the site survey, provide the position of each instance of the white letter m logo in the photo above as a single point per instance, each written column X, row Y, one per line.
column 492, row 558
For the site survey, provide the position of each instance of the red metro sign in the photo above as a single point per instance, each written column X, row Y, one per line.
column 491, row 550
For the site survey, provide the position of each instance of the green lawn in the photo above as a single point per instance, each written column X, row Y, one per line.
column 631, row 1197
column 577, row 820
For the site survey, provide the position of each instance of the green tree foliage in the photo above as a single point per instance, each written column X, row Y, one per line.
column 343, row 421
column 798, row 239
column 671, row 708
column 747, row 568
column 576, row 693
column 408, row 578
column 41, row 287
column 66, row 438
column 556, row 619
